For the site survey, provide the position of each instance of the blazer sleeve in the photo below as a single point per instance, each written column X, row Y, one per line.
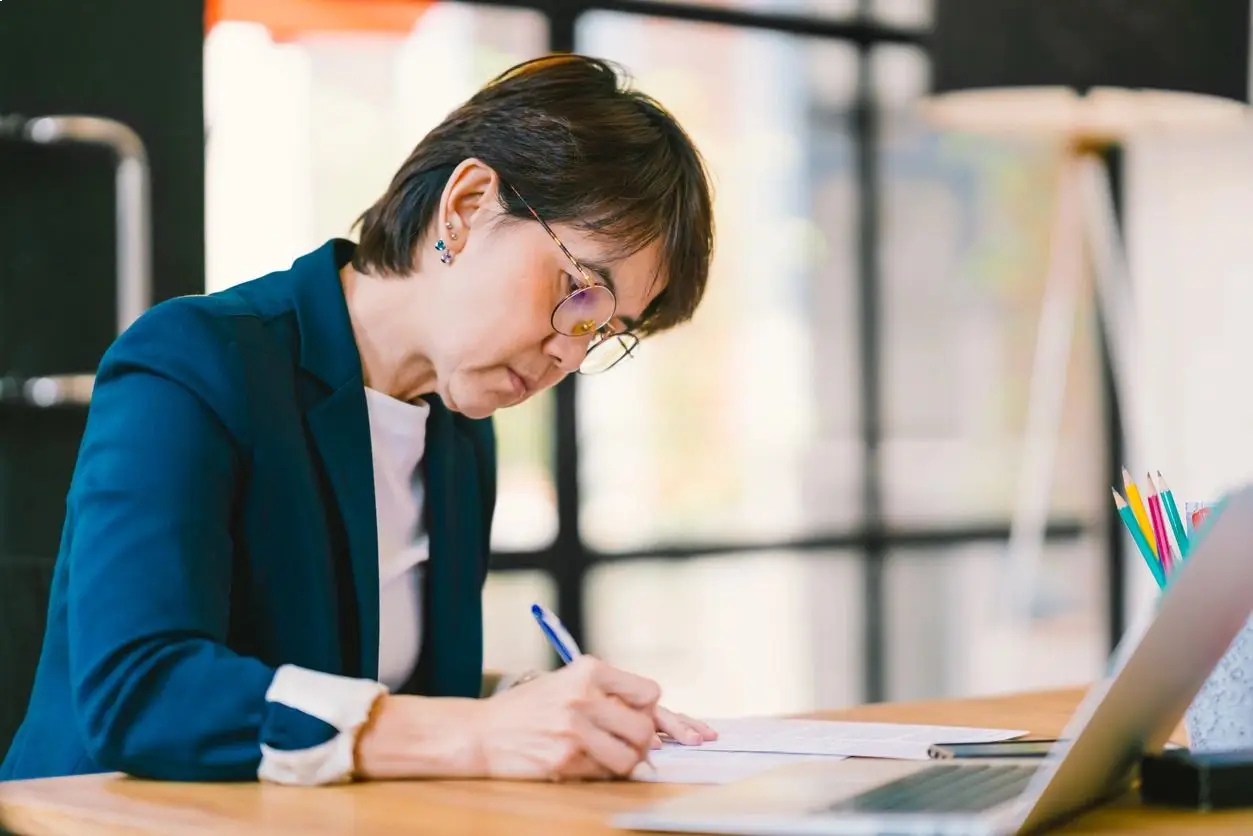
column 156, row 692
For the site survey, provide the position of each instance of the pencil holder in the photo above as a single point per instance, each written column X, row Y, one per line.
column 1221, row 716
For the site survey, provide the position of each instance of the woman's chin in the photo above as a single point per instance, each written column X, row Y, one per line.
column 480, row 407
column 480, row 402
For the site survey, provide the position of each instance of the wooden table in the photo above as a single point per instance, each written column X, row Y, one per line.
column 109, row 805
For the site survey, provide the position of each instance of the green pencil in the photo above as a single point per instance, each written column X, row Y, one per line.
column 1172, row 512
column 1129, row 520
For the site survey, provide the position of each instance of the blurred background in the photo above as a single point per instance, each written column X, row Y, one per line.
column 803, row 498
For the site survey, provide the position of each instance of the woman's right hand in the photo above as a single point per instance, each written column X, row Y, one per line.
column 587, row 720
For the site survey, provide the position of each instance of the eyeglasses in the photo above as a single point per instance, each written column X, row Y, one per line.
column 588, row 309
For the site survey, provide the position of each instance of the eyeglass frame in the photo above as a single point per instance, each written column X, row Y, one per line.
column 602, row 334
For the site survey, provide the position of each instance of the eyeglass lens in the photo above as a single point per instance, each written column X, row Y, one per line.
column 604, row 354
column 585, row 311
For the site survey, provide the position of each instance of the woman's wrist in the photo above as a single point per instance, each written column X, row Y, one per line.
column 421, row 737
column 513, row 680
column 497, row 682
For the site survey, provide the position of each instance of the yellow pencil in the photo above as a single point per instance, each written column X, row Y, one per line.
column 1129, row 520
column 1138, row 510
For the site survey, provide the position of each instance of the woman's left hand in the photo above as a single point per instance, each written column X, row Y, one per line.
column 681, row 728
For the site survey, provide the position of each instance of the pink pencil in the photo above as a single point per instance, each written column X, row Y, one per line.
column 1160, row 532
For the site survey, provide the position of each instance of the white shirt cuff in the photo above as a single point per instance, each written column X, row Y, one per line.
column 341, row 702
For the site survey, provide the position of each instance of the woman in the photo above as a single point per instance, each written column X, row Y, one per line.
column 278, row 528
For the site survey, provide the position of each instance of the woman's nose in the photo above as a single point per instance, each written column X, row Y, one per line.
column 567, row 352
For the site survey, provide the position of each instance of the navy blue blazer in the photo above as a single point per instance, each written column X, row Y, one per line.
column 221, row 522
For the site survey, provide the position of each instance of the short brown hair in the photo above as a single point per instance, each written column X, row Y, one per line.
column 583, row 148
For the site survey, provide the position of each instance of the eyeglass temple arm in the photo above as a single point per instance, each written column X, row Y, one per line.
column 587, row 280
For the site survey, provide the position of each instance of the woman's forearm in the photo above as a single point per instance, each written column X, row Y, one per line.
column 421, row 737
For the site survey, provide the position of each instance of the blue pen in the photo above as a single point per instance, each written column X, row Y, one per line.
column 556, row 633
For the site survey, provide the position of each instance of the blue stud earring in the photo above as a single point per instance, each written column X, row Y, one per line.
column 445, row 254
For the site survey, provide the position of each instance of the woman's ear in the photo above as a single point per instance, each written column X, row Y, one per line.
column 469, row 200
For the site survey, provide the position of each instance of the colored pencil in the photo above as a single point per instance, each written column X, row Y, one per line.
column 1172, row 513
column 1137, row 508
column 1133, row 527
column 1158, row 519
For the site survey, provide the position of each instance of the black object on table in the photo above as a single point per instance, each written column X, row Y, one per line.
column 1198, row 781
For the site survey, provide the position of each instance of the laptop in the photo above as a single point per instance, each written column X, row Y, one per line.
column 1154, row 675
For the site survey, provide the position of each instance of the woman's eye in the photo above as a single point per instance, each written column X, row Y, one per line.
column 574, row 283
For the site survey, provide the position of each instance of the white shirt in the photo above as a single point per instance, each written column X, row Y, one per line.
column 398, row 441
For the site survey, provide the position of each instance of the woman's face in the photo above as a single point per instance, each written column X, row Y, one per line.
column 494, row 344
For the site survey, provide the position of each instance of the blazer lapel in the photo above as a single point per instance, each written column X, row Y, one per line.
column 341, row 432
column 453, row 634
column 340, row 425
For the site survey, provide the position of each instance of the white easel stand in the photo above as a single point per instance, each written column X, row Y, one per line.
column 1085, row 225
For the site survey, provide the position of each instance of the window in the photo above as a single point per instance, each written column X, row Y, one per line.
column 950, row 635
column 733, row 634
column 511, row 640
column 739, row 426
column 964, row 247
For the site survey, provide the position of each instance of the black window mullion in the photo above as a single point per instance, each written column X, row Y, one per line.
column 568, row 563
column 856, row 31
column 866, row 152
column 912, row 539
column 563, row 16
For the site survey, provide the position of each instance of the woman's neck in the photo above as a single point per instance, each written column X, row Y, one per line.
column 385, row 333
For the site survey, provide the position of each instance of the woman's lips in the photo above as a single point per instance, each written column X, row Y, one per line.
column 519, row 384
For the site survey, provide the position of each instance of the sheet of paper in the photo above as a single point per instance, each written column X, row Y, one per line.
column 830, row 737
column 690, row 765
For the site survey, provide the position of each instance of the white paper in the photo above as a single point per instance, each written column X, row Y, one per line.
column 699, row 765
column 834, row 737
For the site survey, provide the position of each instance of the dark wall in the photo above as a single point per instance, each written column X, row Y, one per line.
column 139, row 62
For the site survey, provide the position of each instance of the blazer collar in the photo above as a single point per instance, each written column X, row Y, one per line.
column 328, row 348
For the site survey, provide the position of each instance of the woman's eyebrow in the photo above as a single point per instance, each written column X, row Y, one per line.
column 603, row 271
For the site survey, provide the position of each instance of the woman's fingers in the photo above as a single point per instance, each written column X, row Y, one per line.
column 635, row 691
column 706, row 731
column 630, row 725
column 583, row 767
column 609, row 751
column 682, row 728
column 672, row 725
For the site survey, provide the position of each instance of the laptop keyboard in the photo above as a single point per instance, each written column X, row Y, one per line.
column 944, row 788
